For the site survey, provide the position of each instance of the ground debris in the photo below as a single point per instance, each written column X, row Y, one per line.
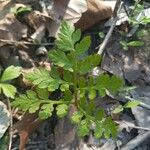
column 25, row 41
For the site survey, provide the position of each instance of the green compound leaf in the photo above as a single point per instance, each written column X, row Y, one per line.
column 105, row 82
column 31, row 102
column 145, row 20
column 82, row 84
column 31, row 94
column 62, row 110
column 8, row 90
column 67, row 76
column 42, row 78
column 60, row 59
column 76, row 117
column 100, row 114
column 38, row 76
column 135, row 43
column 64, row 87
column 98, row 132
column 110, row 128
column 10, row 73
column 83, row 46
column 92, row 94
column 74, row 84
column 53, row 85
column 66, row 39
column 88, row 63
column 82, row 102
column 91, row 88
column 46, row 111
column 42, row 93
column 76, row 36
column 34, row 107
column 83, row 128
column 132, row 104
column 54, row 73
column 118, row 109
column 28, row 102
column 68, row 96
column 102, row 83
column 115, row 84
column 90, row 108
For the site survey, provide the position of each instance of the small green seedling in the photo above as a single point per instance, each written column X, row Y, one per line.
column 6, row 88
column 77, row 86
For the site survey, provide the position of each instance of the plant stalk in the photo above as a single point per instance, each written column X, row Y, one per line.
column 75, row 81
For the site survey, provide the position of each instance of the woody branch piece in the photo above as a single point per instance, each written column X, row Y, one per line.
column 117, row 9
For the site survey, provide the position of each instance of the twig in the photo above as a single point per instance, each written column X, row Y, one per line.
column 128, row 98
column 13, row 42
column 47, row 16
column 115, row 18
column 11, row 124
column 131, row 125
column 125, row 9
column 143, row 105
column 136, row 141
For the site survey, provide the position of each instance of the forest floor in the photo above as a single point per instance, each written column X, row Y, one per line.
column 17, row 34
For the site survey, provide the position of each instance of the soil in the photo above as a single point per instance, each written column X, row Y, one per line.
column 131, row 65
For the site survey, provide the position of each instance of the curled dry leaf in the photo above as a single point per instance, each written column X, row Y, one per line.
column 34, row 19
column 96, row 12
column 37, row 22
column 84, row 14
column 4, row 119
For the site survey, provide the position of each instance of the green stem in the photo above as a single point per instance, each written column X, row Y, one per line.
column 54, row 102
column 87, row 116
column 135, row 7
column 75, row 81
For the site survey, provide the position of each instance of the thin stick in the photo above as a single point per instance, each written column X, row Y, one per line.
column 131, row 125
column 107, row 37
column 23, row 42
column 136, row 141
column 143, row 105
column 11, row 124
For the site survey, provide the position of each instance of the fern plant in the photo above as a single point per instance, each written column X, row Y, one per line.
column 10, row 73
column 70, row 74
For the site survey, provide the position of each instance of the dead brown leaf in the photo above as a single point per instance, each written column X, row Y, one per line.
column 10, row 27
column 65, row 133
column 26, row 127
column 84, row 14
column 97, row 11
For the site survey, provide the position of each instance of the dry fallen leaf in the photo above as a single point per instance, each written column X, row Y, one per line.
column 10, row 27
column 69, row 10
column 26, row 127
column 84, row 14
column 65, row 133
column 96, row 12
column 4, row 119
column 37, row 23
